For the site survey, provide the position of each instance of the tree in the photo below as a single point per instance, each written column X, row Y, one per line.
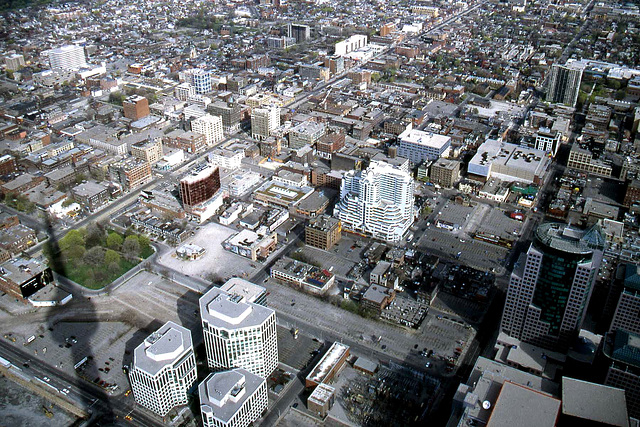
column 95, row 235
column 144, row 242
column 98, row 174
column 111, row 257
column 113, row 268
column 131, row 247
column 94, row 257
column 114, row 241
column 73, row 238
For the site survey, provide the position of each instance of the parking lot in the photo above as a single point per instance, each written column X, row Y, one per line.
column 215, row 260
column 495, row 221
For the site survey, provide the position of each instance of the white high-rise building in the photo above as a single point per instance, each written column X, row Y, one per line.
column 163, row 369
column 377, row 201
column 209, row 126
column 201, row 80
column 233, row 398
column 551, row 285
column 238, row 333
column 263, row 121
column 418, row 145
column 70, row 57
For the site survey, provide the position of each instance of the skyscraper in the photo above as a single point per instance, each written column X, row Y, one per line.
column 377, row 201
column 163, row 369
column 234, row 398
column 564, row 84
column 551, row 285
column 628, row 307
column 70, row 57
column 199, row 186
column 263, row 121
column 238, row 333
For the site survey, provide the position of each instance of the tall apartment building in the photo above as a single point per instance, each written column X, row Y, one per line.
column 209, row 126
column 564, row 84
column 263, row 121
column 69, row 57
column 184, row 91
column 238, row 333
column 377, row 201
column 323, row 232
column 14, row 61
column 234, row 398
column 306, row 133
column 299, row 32
column 551, row 285
column 627, row 314
column 199, row 186
column 445, row 172
column 135, row 107
column 163, row 369
column 418, row 146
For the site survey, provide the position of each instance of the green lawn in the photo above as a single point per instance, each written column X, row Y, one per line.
column 82, row 275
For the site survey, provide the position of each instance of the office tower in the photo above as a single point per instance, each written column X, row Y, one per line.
column 418, row 146
column 628, row 307
column 263, row 121
column 622, row 352
column 564, row 84
column 377, row 201
column 551, row 285
column 70, row 57
column 238, row 333
column 135, row 107
column 201, row 80
column 199, row 186
column 163, row 369
column 234, row 398
column 209, row 126
column 299, row 32
column 231, row 115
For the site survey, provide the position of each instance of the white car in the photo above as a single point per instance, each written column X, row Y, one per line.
column 65, row 391
column 47, row 379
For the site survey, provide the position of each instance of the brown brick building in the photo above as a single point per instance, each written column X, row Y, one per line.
column 136, row 107
column 200, row 186
column 323, row 232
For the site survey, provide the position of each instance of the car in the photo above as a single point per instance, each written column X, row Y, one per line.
column 47, row 379
column 65, row 391
column 127, row 393
column 383, row 346
column 265, row 280
column 292, row 304
column 428, row 365
column 128, row 418
column 295, row 405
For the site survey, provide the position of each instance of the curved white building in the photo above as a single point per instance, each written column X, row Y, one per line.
column 163, row 369
column 377, row 201
column 238, row 333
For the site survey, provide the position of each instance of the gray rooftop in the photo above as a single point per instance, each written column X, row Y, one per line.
column 223, row 393
column 223, row 310
column 594, row 402
column 569, row 239
column 524, row 407
column 249, row 292
column 162, row 348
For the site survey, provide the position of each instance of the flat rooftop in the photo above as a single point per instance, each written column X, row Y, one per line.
column 524, row 407
column 426, row 139
column 162, row 348
column 222, row 394
column 594, row 402
column 249, row 292
column 328, row 361
column 223, row 310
